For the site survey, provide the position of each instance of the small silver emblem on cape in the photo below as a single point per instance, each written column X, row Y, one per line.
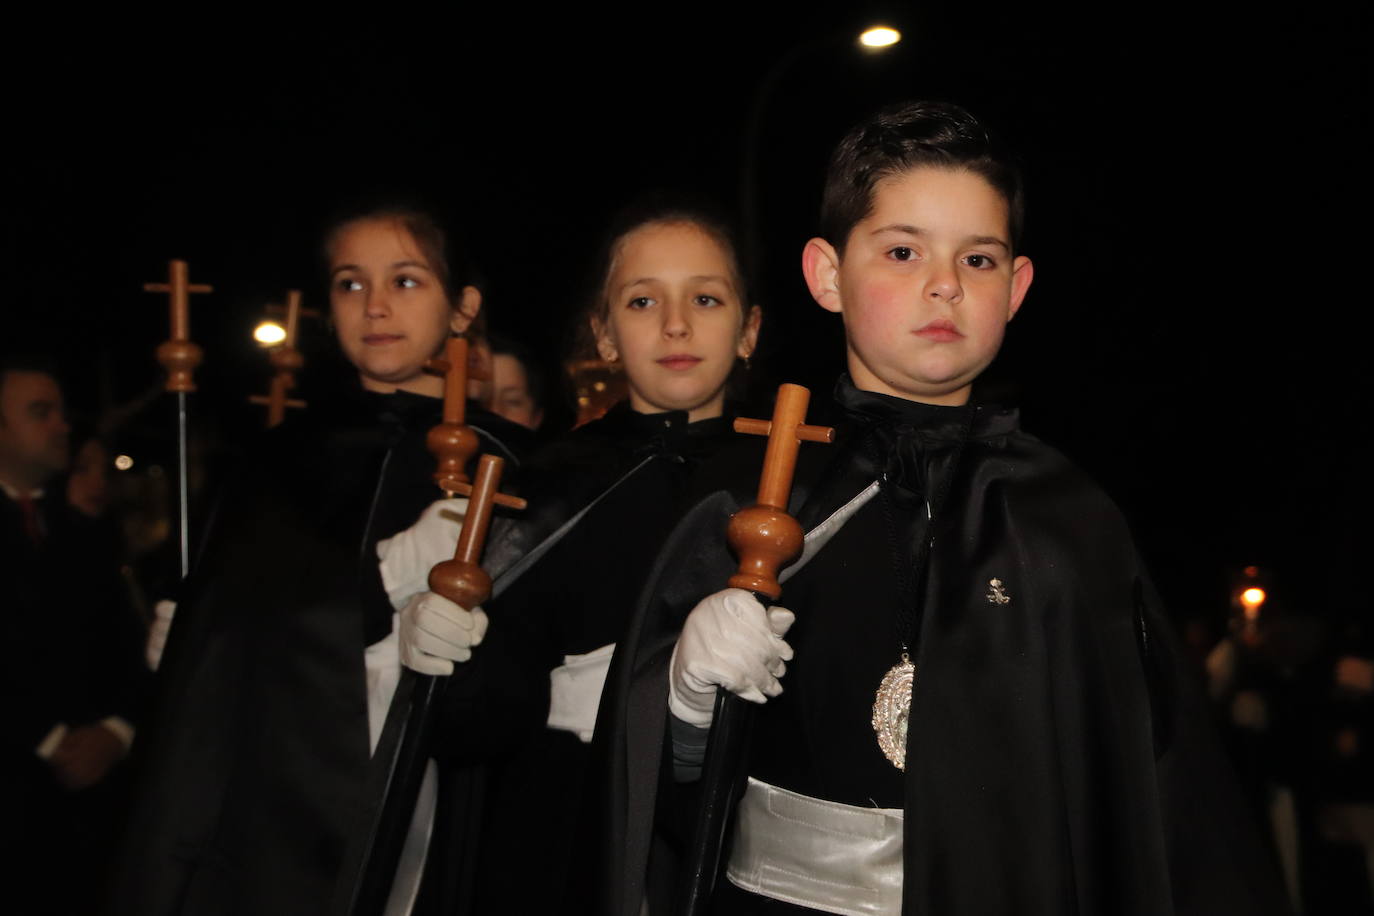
column 995, row 593
column 891, row 708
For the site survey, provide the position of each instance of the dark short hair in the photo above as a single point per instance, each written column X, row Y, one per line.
column 534, row 374
column 39, row 363
column 908, row 136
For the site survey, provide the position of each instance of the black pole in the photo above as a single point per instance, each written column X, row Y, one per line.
column 183, row 485
column 723, row 775
column 394, row 779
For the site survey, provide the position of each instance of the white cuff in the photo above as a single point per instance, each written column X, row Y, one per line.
column 49, row 745
column 576, row 691
column 121, row 729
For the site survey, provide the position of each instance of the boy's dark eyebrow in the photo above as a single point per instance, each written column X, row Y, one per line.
column 917, row 230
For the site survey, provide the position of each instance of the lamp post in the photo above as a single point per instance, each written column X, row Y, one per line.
column 875, row 39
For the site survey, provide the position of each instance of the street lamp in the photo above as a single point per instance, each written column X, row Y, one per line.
column 879, row 37
column 875, row 39
column 269, row 333
column 1251, row 599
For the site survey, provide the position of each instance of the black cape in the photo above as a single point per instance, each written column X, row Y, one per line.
column 1057, row 760
column 635, row 474
column 257, row 758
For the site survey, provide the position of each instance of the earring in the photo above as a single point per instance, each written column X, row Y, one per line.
column 746, row 361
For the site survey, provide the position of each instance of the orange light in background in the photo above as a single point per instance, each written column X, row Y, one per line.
column 1251, row 599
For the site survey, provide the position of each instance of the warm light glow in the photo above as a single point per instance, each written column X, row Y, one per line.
column 880, row 36
column 269, row 333
column 1251, row 599
column 123, row 462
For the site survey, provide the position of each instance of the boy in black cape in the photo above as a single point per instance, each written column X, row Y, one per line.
column 1052, row 759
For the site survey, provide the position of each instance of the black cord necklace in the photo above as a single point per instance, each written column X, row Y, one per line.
column 892, row 702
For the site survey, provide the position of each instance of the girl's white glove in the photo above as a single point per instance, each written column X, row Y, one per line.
column 730, row 641
column 435, row 633
column 408, row 556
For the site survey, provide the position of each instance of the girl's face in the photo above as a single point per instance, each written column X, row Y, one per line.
column 675, row 319
column 390, row 310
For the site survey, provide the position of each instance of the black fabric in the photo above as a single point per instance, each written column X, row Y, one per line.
column 1033, row 781
column 575, row 599
column 74, row 656
column 259, row 750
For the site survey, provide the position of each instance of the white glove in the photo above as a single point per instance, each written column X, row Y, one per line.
column 163, row 612
column 435, row 633
column 408, row 556
column 731, row 641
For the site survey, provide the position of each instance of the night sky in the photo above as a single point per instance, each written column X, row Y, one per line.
column 1197, row 215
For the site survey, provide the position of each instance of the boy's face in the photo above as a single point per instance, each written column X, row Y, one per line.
column 926, row 286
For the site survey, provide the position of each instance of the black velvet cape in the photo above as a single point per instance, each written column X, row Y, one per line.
column 637, row 473
column 1058, row 760
column 254, row 767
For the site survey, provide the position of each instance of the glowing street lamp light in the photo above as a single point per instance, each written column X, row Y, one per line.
column 269, row 333
column 1251, row 599
column 880, row 36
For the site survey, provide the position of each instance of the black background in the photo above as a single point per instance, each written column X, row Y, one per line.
column 1197, row 197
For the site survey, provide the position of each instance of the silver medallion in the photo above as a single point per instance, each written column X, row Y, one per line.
column 891, row 707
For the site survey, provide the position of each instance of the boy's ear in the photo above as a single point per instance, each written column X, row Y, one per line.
column 749, row 334
column 469, row 305
column 821, row 267
column 1022, row 272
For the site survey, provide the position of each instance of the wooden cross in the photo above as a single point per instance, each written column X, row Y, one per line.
column 461, row 580
column 288, row 361
column 452, row 442
column 764, row 536
column 179, row 355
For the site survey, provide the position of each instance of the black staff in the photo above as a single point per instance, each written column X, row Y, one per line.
column 765, row 538
column 398, row 765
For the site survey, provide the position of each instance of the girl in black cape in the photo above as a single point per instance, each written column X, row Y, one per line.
column 671, row 311
column 256, row 762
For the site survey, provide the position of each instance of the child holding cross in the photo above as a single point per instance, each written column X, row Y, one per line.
column 976, row 707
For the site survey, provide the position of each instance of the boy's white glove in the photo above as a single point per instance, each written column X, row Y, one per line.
column 408, row 556
column 163, row 612
column 435, row 633
column 731, row 641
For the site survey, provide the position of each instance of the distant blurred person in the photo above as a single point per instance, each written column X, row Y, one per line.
column 88, row 482
column 517, row 383
column 73, row 679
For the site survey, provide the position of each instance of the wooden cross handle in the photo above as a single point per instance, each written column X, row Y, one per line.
column 453, row 365
column 276, row 399
column 764, row 536
column 293, row 317
column 451, row 442
column 785, row 433
column 178, row 355
column 461, row 580
column 180, row 287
